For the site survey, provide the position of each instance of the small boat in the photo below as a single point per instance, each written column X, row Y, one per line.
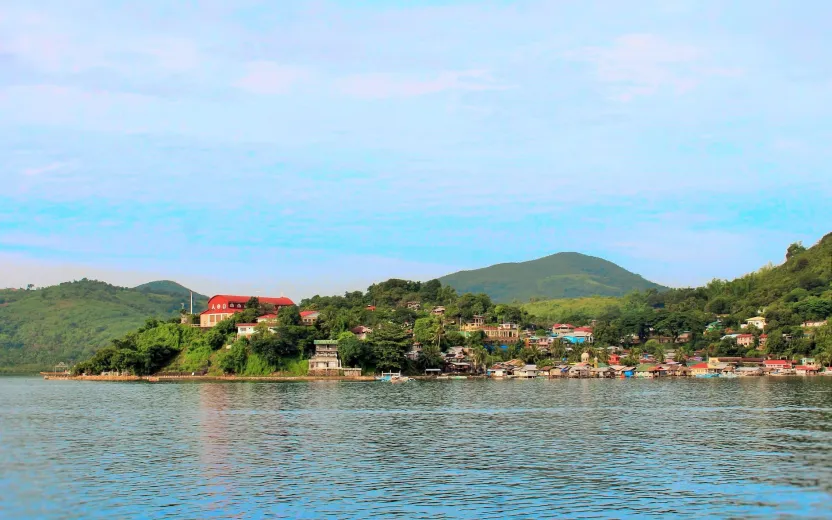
column 393, row 377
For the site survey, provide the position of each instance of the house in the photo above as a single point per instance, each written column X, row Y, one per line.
column 502, row 331
column 745, row 340
column 806, row 370
column 615, row 359
column 623, row 371
column 776, row 365
column 646, row 371
column 699, row 369
column 749, row 371
column 459, row 367
column 222, row 306
column 268, row 318
column 499, row 371
column 808, row 361
column 352, row 372
column 813, row 324
column 438, row 311
column 562, row 328
column 757, row 321
column 526, row 372
column 361, row 332
column 413, row 306
column 245, row 329
column 371, row 308
column 325, row 361
column 678, row 370
column 602, row 371
column 415, row 351
column 309, row 317
column 580, row 370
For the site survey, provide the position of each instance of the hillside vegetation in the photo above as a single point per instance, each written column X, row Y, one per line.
column 562, row 275
column 70, row 321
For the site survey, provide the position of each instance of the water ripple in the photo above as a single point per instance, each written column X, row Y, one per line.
column 458, row 449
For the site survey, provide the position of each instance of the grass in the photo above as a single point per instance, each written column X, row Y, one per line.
column 563, row 310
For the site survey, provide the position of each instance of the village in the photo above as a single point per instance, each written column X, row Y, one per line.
column 575, row 343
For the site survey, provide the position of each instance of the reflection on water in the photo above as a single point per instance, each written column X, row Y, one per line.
column 473, row 449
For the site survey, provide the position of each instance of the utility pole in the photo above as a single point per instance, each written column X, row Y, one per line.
column 192, row 302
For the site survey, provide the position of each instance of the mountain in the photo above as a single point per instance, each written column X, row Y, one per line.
column 562, row 275
column 168, row 287
column 70, row 321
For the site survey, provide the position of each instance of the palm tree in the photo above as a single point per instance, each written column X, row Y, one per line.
column 558, row 351
column 479, row 356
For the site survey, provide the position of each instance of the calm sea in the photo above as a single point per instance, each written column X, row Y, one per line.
column 750, row 447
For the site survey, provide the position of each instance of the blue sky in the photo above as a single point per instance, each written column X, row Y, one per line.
column 315, row 147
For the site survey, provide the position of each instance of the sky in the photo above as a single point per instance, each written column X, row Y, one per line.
column 315, row 147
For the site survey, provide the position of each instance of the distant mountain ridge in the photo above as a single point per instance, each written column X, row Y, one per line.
column 168, row 287
column 561, row 275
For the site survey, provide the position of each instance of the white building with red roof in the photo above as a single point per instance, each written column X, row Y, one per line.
column 309, row 317
column 223, row 306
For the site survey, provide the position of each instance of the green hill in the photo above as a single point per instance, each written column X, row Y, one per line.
column 169, row 287
column 562, row 275
column 70, row 321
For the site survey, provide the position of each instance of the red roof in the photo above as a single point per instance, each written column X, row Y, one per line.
column 700, row 365
column 805, row 367
column 371, row 307
column 282, row 301
column 777, row 363
column 745, row 336
column 246, row 325
column 303, row 314
column 559, row 325
column 583, row 329
column 267, row 317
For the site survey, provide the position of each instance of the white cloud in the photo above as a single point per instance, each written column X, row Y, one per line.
column 268, row 77
column 645, row 64
column 384, row 85
column 47, row 168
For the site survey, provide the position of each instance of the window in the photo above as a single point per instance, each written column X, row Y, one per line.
column 223, row 306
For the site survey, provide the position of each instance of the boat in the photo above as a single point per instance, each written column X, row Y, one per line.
column 393, row 377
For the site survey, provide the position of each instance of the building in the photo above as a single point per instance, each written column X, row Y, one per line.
column 361, row 332
column 806, row 370
column 309, row 317
column 813, row 324
column 438, row 311
column 268, row 318
column 222, row 306
column 745, row 340
column 699, row 369
column 413, row 306
column 777, row 364
column 562, row 328
column 526, row 372
column 415, row 351
column 245, row 329
column 325, row 361
column 501, row 331
column 757, row 321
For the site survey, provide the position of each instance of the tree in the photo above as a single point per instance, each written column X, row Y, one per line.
column 794, row 250
column 352, row 351
column 234, row 360
column 253, row 303
column 672, row 324
column 390, row 343
column 424, row 329
column 479, row 356
column 289, row 315
column 430, row 357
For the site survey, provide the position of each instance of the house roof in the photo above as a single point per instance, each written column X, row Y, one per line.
column 263, row 299
column 270, row 316
column 805, row 367
column 560, row 325
column 304, row 314
column 246, row 325
column 777, row 362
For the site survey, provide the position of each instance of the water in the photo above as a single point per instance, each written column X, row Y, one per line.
column 750, row 447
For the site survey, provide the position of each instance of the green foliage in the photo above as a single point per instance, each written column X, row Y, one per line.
column 577, row 311
column 390, row 343
column 563, row 275
column 354, row 352
column 71, row 321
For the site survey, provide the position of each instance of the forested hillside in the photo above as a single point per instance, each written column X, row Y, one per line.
column 70, row 321
column 562, row 275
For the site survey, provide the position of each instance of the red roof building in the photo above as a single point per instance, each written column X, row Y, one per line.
column 222, row 306
column 309, row 317
column 777, row 363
